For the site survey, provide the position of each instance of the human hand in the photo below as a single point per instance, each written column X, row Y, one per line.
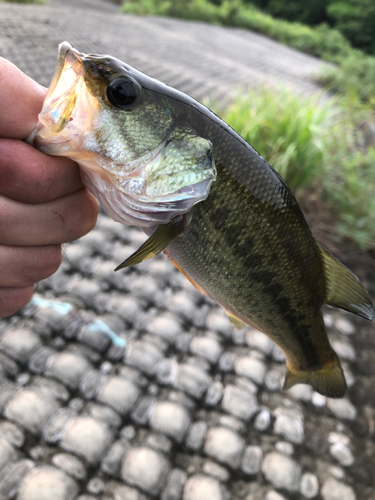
column 43, row 202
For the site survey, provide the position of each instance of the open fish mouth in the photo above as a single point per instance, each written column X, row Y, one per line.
column 144, row 166
column 61, row 106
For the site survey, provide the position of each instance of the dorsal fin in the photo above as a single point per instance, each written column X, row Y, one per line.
column 156, row 242
column 343, row 288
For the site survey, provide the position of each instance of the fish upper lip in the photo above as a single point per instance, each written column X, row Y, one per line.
column 64, row 48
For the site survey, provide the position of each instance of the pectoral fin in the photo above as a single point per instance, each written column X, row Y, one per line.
column 328, row 380
column 343, row 288
column 156, row 242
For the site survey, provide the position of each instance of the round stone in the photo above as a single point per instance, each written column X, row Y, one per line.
column 309, row 485
column 95, row 334
column 303, row 392
column 239, row 403
column 262, row 420
column 282, row 471
column 12, row 433
column 111, row 463
column 333, row 490
column 15, row 473
column 225, row 446
column 252, row 368
column 206, row 347
column 289, row 424
column 171, row 419
column 285, row 448
column 273, row 380
column 196, row 435
column 226, row 361
column 45, row 483
column 105, row 414
column 31, row 409
column 166, row 326
column 251, row 460
column 70, row 464
column 68, row 368
column 7, row 454
column 182, row 303
column 318, row 400
column 202, row 488
column 342, row 453
column 213, row 469
column 54, row 429
column 146, row 469
column 122, row 492
column 219, row 322
column 158, row 442
column 345, row 326
column 87, row 437
column 192, row 380
column 273, row 495
column 344, row 350
column 143, row 355
column 214, row 393
column 175, row 485
column 338, row 437
column 20, row 344
column 259, row 341
column 342, row 408
column 120, row 394
column 95, row 485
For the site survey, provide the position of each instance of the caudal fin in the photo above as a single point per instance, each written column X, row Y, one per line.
column 329, row 380
column 343, row 288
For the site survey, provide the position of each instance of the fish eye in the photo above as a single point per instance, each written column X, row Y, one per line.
column 122, row 92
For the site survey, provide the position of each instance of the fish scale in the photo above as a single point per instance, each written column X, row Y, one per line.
column 222, row 215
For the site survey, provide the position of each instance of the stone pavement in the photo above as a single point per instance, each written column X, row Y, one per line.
column 187, row 408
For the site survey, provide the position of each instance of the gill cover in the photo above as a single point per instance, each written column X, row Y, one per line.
column 144, row 166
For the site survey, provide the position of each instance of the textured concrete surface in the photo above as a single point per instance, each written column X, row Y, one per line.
column 188, row 408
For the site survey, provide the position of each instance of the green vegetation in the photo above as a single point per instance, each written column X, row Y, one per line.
column 288, row 133
column 356, row 69
column 355, row 19
column 315, row 145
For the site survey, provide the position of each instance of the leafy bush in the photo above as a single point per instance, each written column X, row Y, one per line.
column 355, row 74
column 356, row 20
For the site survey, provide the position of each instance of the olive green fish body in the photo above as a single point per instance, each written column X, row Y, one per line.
column 156, row 158
column 249, row 247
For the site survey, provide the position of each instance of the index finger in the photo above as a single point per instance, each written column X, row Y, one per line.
column 21, row 99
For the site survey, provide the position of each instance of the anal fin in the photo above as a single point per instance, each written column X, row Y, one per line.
column 236, row 322
column 328, row 380
column 156, row 242
column 343, row 288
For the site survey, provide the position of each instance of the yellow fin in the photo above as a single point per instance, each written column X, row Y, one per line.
column 343, row 288
column 156, row 242
column 237, row 323
column 329, row 380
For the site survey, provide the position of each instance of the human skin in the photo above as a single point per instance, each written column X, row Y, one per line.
column 43, row 202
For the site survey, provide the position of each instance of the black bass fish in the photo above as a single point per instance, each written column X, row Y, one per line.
column 158, row 159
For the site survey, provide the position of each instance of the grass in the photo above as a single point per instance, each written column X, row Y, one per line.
column 315, row 145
